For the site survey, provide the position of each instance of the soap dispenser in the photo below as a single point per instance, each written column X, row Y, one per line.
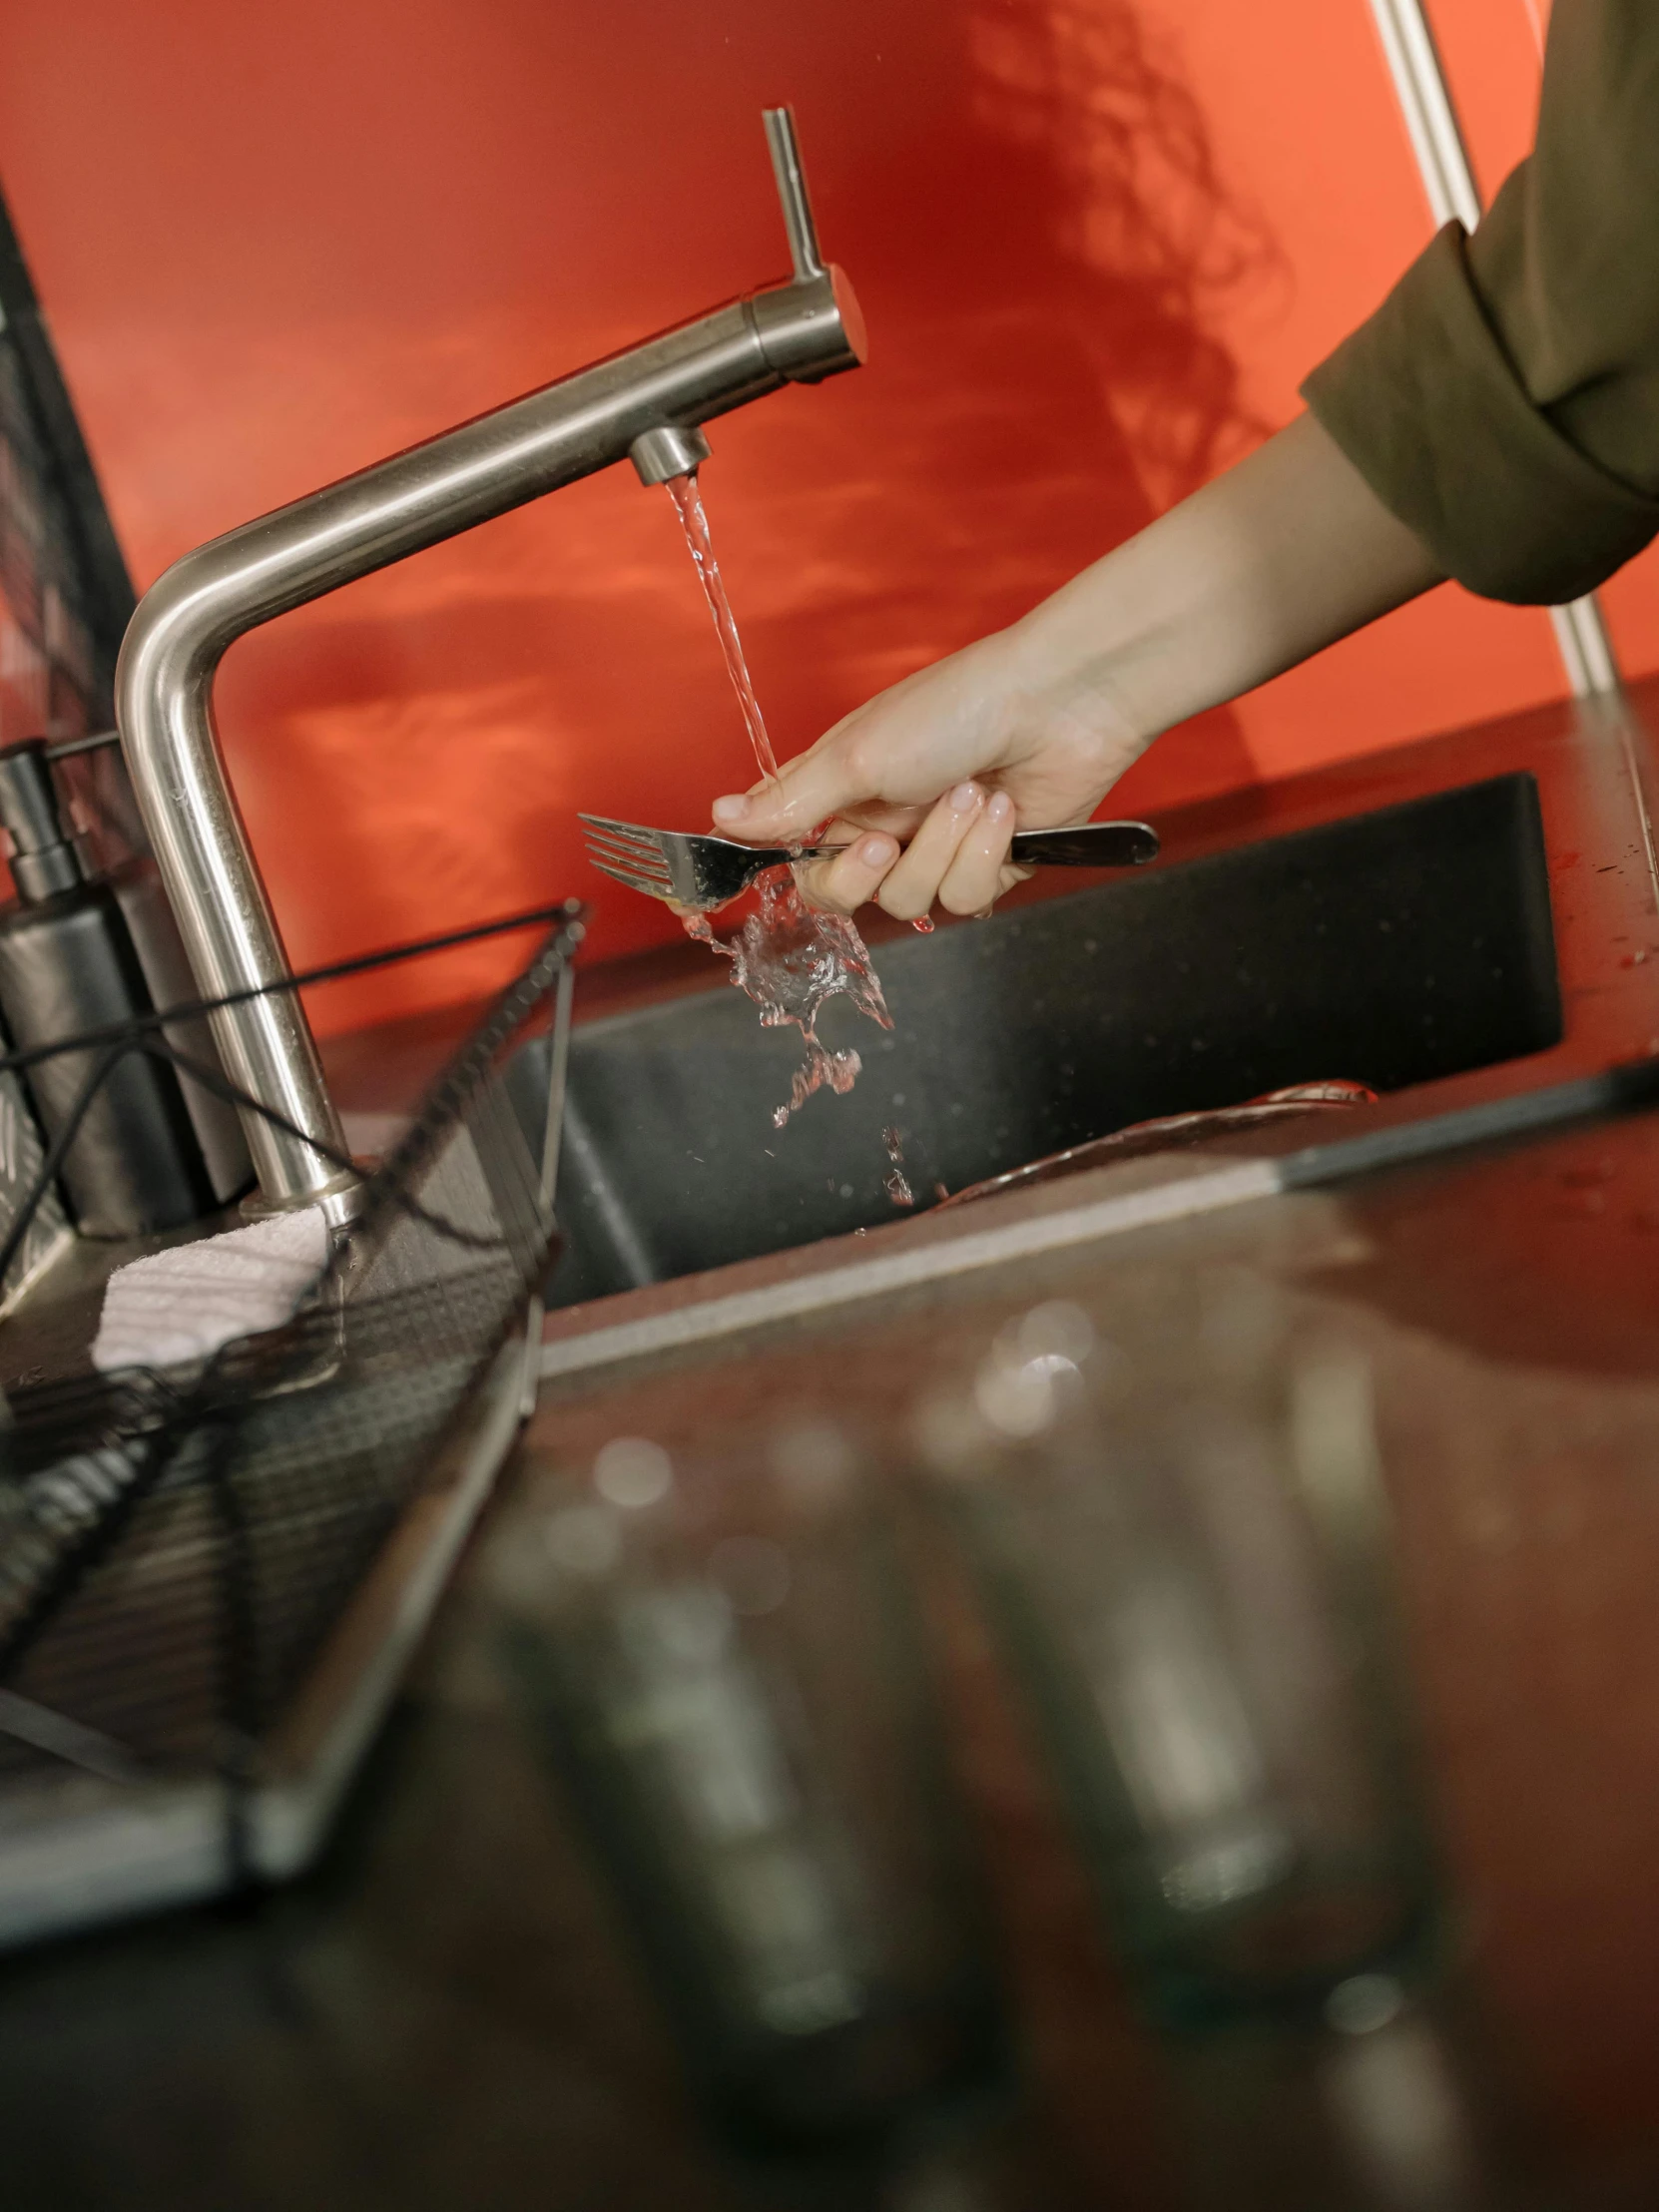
column 68, row 964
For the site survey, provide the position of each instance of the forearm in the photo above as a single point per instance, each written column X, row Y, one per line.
column 1263, row 567
column 1032, row 727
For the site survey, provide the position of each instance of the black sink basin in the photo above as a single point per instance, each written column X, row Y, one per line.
column 1391, row 948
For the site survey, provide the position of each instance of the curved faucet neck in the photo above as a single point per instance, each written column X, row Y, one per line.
column 800, row 331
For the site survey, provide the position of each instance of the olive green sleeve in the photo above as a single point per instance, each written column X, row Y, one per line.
column 1504, row 400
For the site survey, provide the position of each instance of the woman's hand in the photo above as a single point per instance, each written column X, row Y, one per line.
column 993, row 730
column 1031, row 727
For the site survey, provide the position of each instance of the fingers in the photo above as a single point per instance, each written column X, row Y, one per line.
column 854, row 877
column 979, row 872
column 958, row 857
column 912, row 883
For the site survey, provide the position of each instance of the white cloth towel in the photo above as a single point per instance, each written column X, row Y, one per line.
column 183, row 1304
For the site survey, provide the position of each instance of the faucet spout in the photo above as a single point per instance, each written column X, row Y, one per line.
column 798, row 331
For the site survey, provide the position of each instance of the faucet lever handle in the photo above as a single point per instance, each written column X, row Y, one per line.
column 791, row 192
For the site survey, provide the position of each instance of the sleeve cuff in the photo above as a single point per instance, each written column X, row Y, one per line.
column 1426, row 403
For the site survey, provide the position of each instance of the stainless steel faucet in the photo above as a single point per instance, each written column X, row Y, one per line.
column 647, row 403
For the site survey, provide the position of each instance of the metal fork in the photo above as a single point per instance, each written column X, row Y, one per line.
column 703, row 873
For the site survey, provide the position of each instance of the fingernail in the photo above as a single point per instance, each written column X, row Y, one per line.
column 1000, row 807
column 964, row 798
column 731, row 809
column 874, row 852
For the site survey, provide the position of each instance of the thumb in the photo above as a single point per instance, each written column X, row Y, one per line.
column 817, row 783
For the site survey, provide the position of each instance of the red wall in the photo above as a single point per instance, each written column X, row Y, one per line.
column 1097, row 242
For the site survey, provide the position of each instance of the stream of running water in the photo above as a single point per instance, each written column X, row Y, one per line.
column 789, row 956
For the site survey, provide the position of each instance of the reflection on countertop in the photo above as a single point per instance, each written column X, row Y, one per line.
column 448, row 2012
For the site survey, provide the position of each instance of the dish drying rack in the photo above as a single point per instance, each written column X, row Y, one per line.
column 211, row 1577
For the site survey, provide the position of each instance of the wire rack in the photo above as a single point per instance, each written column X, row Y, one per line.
column 177, row 1546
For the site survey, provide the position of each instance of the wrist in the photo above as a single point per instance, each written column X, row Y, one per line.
column 1068, row 683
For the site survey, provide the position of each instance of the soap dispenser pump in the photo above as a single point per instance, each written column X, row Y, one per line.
column 68, row 964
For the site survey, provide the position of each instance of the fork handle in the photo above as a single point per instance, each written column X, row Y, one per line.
column 1085, row 845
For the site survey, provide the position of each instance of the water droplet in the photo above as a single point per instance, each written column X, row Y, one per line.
column 631, row 1472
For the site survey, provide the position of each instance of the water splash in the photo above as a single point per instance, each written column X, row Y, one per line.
column 688, row 502
column 791, row 957
column 897, row 1183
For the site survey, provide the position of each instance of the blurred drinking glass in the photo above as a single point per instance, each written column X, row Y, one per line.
column 1183, row 1545
column 727, row 1664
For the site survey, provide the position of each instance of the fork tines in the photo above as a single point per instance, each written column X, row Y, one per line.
column 628, row 854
